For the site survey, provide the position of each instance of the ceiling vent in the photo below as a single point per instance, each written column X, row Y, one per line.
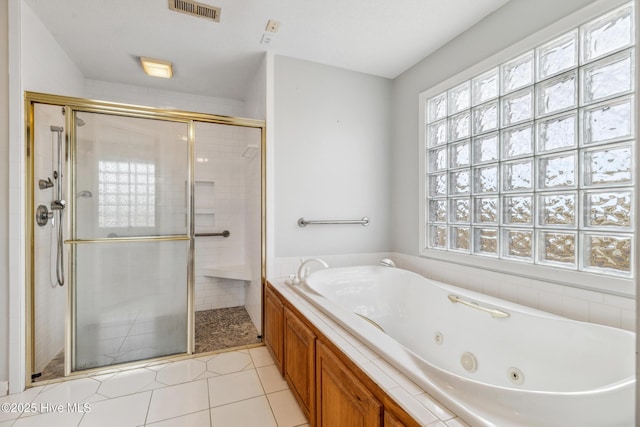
column 195, row 9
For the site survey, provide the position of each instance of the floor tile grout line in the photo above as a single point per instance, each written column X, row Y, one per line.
column 244, row 400
column 178, row 416
column 188, row 382
column 146, row 416
column 237, row 401
column 273, row 412
column 81, row 418
column 209, row 403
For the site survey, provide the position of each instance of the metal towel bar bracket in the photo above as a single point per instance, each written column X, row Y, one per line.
column 304, row 222
column 492, row 311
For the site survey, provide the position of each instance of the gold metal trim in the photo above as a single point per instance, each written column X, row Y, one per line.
column 29, row 244
column 71, row 163
column 72, row 106
column 263, row 225
column 127, row 239
column 88, row 105
column 191, row 277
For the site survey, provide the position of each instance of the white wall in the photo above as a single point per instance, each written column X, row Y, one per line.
column 331, row 149
column 46, row 67
column 157, row 98
column 4, row 196
column 255, row 96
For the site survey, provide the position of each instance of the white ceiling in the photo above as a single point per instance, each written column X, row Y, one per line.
column 381, row 37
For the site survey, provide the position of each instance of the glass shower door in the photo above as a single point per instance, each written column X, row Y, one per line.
column 129, row 239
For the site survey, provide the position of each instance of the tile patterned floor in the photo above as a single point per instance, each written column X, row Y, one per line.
column 238, row 388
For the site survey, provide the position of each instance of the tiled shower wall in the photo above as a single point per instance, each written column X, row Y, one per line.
column 225, row 160
column 570, row 302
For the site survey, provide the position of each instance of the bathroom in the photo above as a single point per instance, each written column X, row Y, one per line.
column 359, row 161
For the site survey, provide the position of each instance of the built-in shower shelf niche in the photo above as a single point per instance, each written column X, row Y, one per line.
column 204, row 205
column 234, row 272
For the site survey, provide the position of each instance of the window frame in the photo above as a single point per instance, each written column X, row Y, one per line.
column 609, row 284
column 151, row 215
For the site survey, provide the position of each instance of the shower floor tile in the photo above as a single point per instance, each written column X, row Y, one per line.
column 54, row 369
column 224, row 328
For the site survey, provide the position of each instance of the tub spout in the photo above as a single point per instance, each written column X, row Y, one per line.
column 303, row 270
column 387, row 263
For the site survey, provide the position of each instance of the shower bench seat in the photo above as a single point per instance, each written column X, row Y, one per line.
column 234, row 272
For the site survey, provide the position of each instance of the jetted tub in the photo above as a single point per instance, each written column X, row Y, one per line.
column 492, row 362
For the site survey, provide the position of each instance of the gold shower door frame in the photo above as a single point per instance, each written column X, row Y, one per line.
column 73, row 105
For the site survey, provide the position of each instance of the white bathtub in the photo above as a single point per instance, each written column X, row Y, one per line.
column 528, row 369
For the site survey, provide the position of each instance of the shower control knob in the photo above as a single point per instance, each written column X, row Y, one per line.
column 43, row 215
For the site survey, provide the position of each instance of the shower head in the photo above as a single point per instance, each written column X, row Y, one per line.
column 45, row 183
column 84, row 193
column 79, row 122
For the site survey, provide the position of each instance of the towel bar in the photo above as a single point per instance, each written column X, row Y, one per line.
column 304, row 222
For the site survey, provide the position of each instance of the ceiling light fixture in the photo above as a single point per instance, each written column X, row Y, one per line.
column 156, row 67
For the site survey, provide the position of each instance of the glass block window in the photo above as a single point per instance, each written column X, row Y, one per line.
column 126, row 194
column 532, row 160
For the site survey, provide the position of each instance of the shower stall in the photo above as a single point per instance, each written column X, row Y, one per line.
column 147, row 234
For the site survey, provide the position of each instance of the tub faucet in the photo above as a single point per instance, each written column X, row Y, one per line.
column 387, row 263
column 303, row 270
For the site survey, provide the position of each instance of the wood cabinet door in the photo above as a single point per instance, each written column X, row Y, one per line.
column 342, row 400
column 273, row 323
column 299, row 362
column 391, row 421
